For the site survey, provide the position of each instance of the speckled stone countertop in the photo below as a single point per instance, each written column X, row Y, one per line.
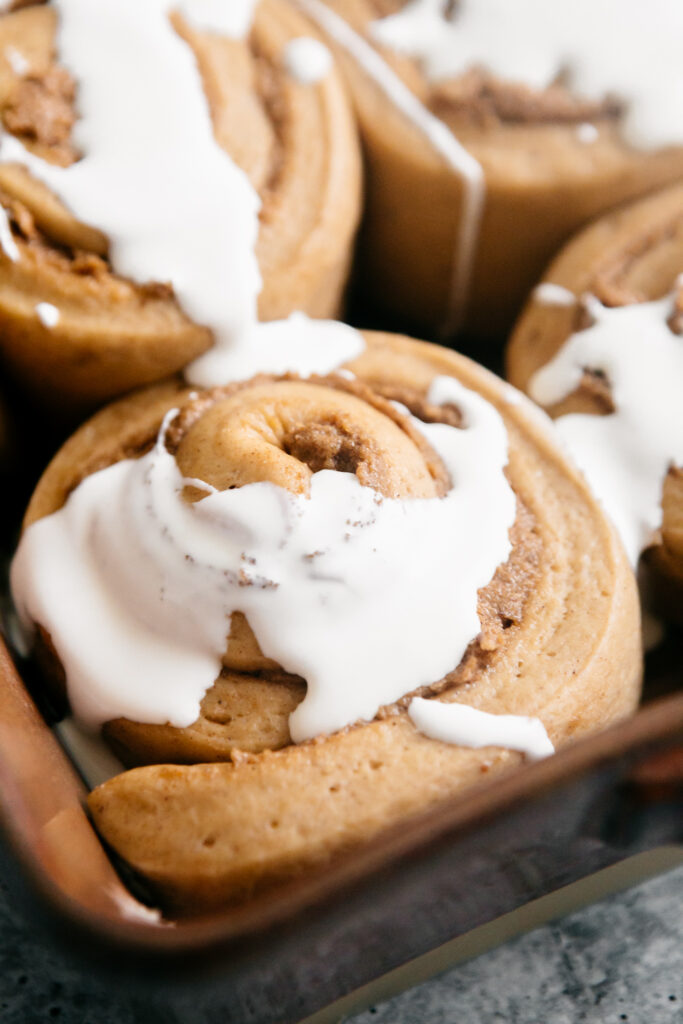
column 618, row 960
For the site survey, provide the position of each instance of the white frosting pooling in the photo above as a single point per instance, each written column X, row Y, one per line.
column 307, row 60
column 470, row 727
column 7, row 243
column 626, row 454
column 549, row 294
column 623, row 48
column 47, row 314
column 224, row 17
column 327, row 582
column 152, row 177
column 297, row 345
column 437, row 134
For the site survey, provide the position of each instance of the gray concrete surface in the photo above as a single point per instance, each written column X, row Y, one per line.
column 620, row 960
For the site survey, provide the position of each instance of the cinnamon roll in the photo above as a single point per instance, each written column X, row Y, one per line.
column 600, row 346
column 326, row 602
column 493, row 132
column 135, row 229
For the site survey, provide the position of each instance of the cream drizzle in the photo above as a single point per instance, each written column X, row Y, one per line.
column 439, row 137
column 627, row 454
column 130, row 568
column 7, row 243
column 549, row 294
column 600, row 48
column 48, row 314
column 307, row 60
column 466, row 726
column 296, row 345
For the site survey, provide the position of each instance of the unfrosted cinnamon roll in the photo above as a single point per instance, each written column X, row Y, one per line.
column 600, row 345
column 129, row 240
column 494, row 131
column 309, row 584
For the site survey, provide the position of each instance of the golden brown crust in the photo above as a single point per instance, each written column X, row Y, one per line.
column 633, row 255
column 208, row 834
column 542, row 184
column 293, row 141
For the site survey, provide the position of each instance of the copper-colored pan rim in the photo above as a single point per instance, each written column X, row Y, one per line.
column 660, row 723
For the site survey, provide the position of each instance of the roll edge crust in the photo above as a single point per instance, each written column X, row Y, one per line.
column 210, row 834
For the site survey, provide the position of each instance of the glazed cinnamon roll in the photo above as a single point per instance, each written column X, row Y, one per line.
column 493, row 132
column 600, row 346
column 326, row 602
column 136, row 230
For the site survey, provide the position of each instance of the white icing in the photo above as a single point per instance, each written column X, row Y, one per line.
column 152, row 177
column 224, row 17
column 465, row 726
column 549, row 294
column 512, row 395
column 47, row 314
column 326, row 581
column 307, row 60
column 16, row 60
column 625, row 455
column 133, row 910
column 599, row 48
column 439, row 137
column 587, row 133
column 298, row 344
column 7, row 243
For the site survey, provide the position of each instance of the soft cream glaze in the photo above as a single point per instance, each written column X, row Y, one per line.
column 599, row 48
column 626, row 454
column 326, row 579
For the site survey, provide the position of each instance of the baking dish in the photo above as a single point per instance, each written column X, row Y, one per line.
column 288, row 953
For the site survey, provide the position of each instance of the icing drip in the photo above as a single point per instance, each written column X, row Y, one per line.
column 599, row 48
column 470, row 727
column 47, row 314
column 625, row 455
column 175, row 208
column 233, row 18
column 549, row 294
column 307, row 60
column 7, row 243
column 297, row 345
column 128, row 567
column 437, row 134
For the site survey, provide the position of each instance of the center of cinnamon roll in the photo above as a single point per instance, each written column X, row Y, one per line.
column 284, row 431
